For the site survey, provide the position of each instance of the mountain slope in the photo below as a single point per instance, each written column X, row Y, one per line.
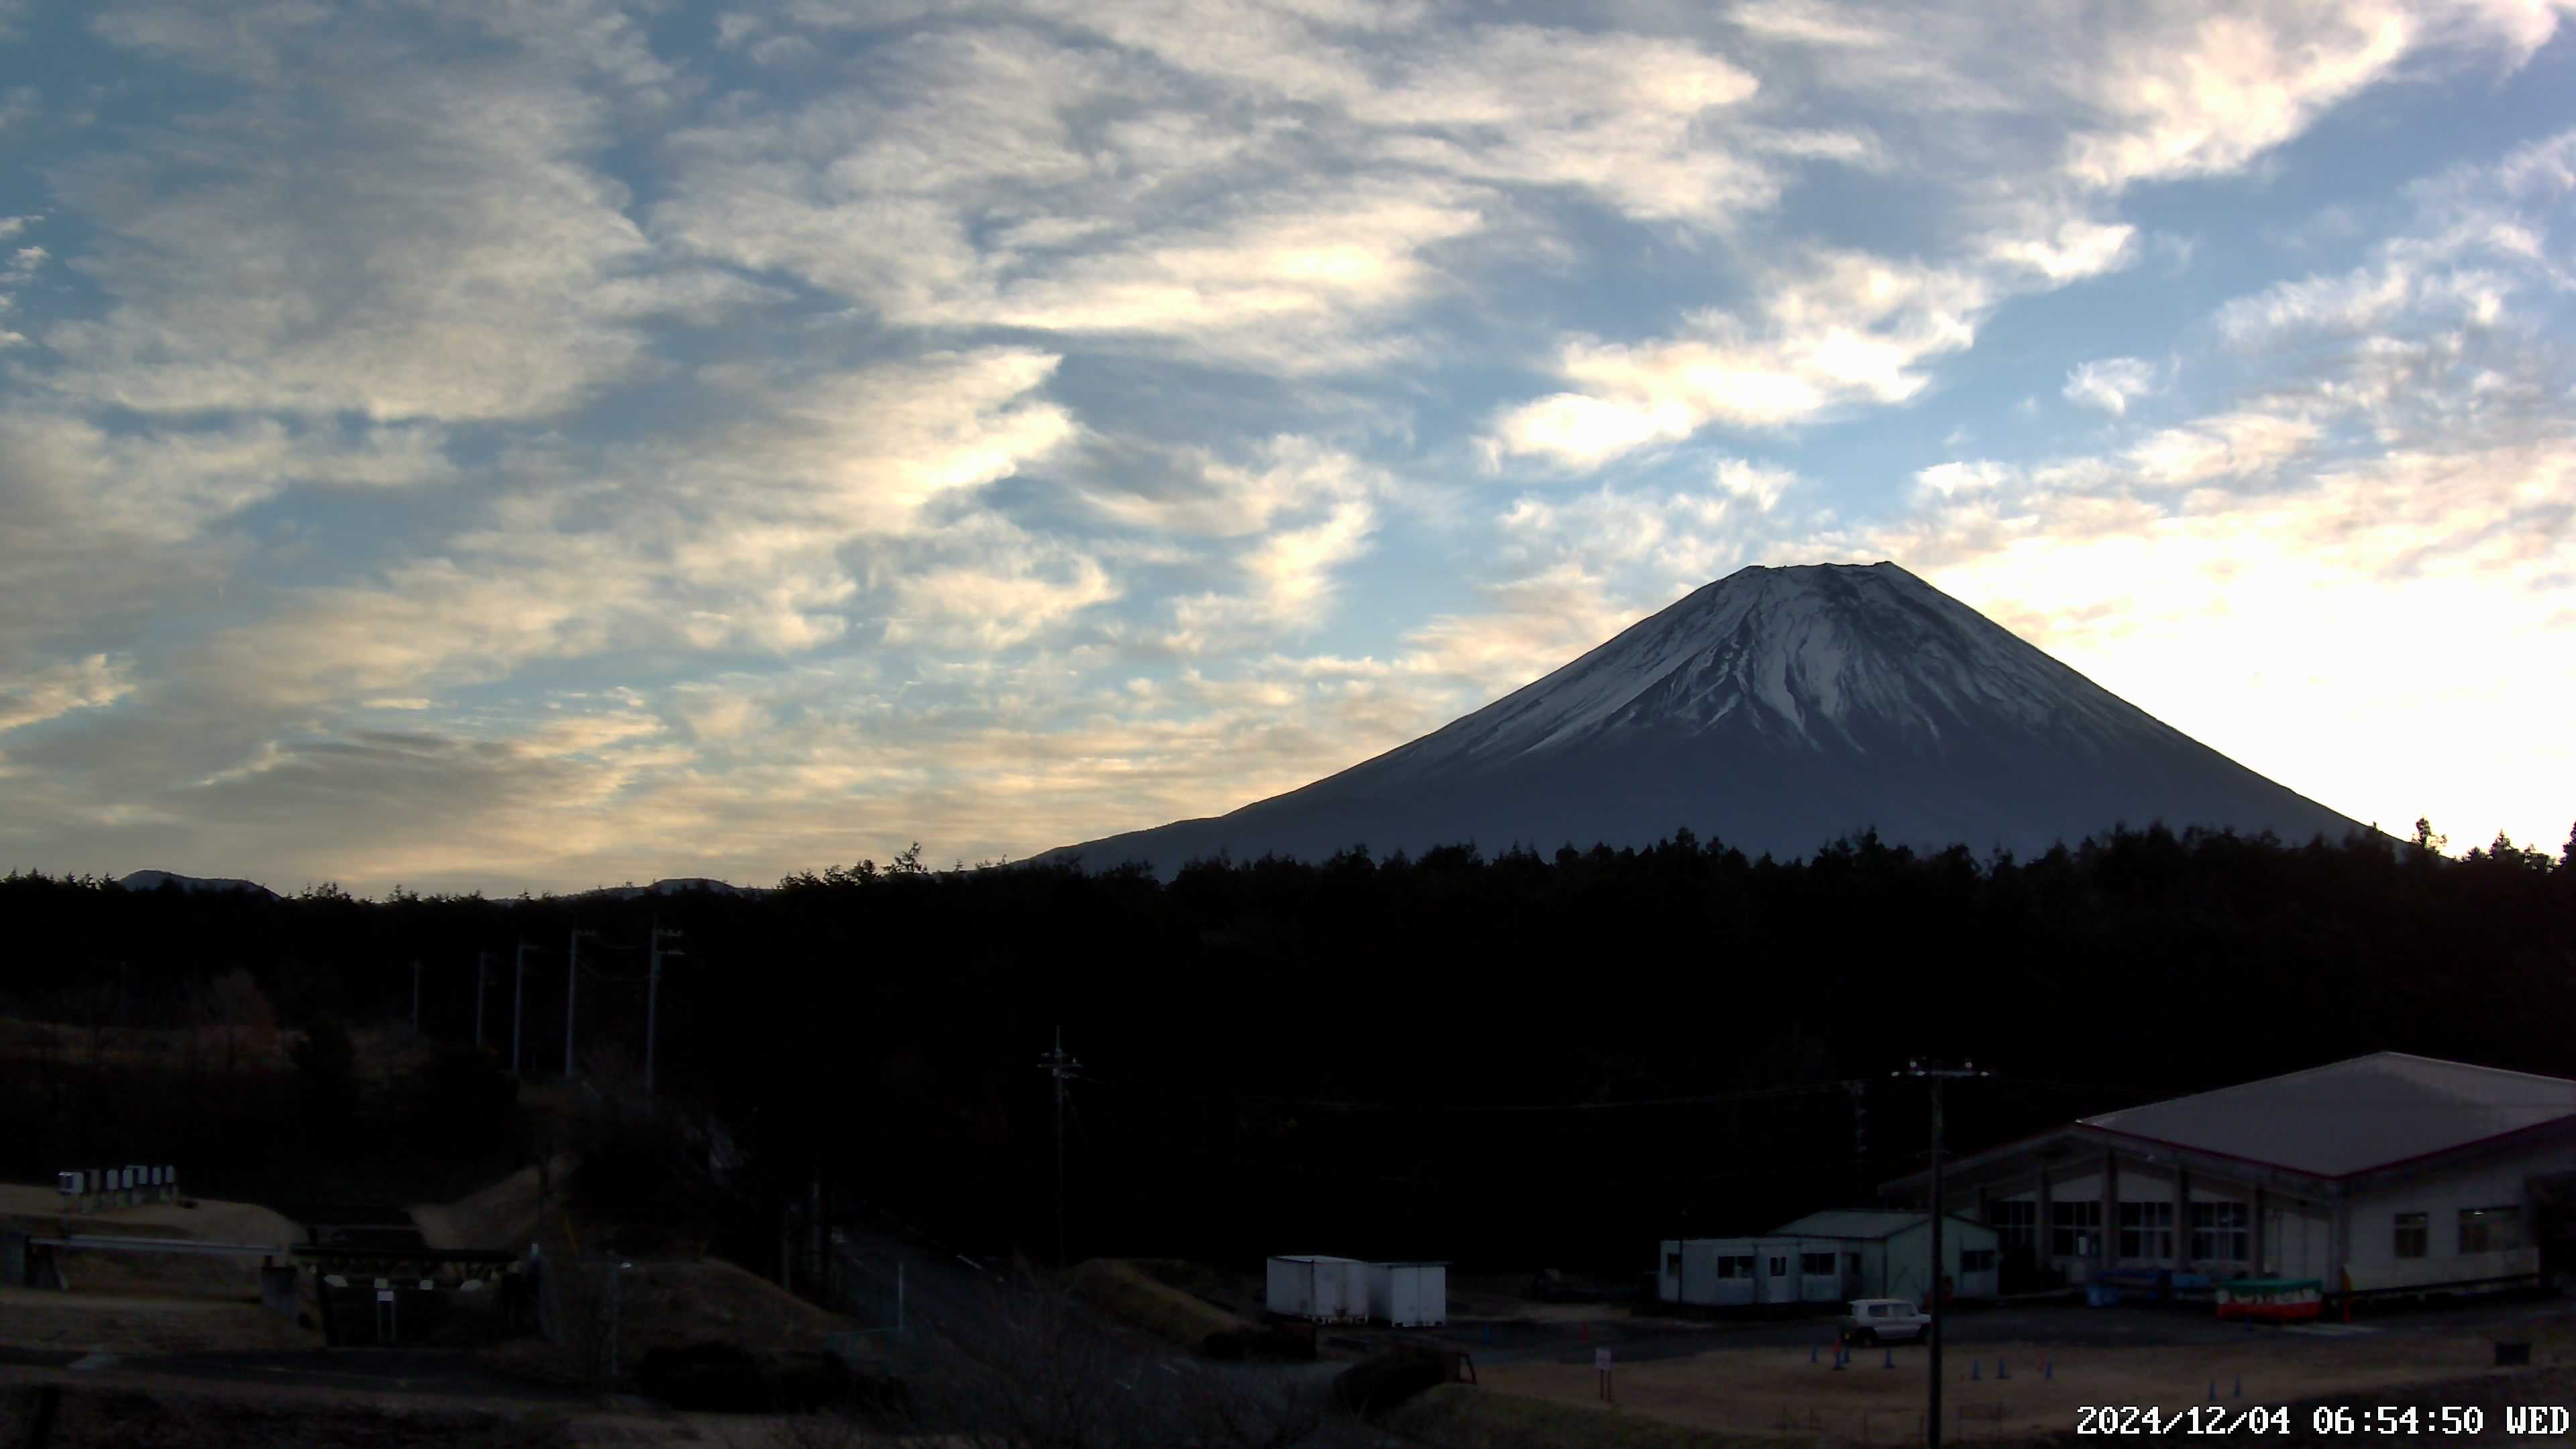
column 153, row 880
column 1775, row 710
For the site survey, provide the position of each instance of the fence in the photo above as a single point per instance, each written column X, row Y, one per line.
column 578, row 1300
column 867, row 1289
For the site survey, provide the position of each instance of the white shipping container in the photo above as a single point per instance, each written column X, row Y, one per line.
column 1323, row 1289
column 1409, row 1295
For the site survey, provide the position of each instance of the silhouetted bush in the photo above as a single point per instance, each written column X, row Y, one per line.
column 457, row 1100
column 326, row 1067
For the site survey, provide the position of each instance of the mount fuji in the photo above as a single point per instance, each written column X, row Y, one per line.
column 1775, row 710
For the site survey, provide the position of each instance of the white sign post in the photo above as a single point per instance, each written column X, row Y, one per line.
column 1601, row 1367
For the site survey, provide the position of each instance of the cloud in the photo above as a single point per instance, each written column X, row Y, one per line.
column 1138, row 482
column 2205, row 94
column 369, row 229
column 1288, row 584
column 994, row 607
column 735, row 538
column 1524, row 628
column 55, row 690
column 1849, row 328
column 2238, row 445
column 954, row 422
column 2265, row 623
column 2107, row 385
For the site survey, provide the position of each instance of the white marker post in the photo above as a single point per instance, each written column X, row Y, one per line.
column 1601, row 1368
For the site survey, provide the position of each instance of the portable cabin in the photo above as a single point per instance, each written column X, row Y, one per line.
column 1888, row 1254
column 1711, row 1272
column 1777, row 1261
column 1319, row 1289
column 1409, row 1295
column 1750, row 1272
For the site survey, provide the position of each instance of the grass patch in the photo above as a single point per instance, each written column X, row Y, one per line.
column 1459, row 1416
column 1126, row 1292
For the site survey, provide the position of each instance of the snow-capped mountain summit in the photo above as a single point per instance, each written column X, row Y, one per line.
column 1774, row 709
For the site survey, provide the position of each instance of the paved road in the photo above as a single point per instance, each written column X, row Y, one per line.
column 2138, row 1326
column 376, row 1370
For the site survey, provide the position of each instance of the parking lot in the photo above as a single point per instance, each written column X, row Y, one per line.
column 1635, row 1338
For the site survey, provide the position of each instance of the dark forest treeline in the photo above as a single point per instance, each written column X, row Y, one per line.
column 1512, row 1059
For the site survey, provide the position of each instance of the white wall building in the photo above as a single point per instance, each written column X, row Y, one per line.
column 1888, row 1254
column 1749, row 1272
column 2385, row 1173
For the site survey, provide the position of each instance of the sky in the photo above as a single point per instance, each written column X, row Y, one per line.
column 532, row 444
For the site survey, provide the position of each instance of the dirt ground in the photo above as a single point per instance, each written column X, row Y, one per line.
column 501, row 1217
column 40, row 1318
column 670, row 1304
column 675, row 1304
column 147, row 1302
column 1768, row 1390
column 39, row 1209
column 105, row 1415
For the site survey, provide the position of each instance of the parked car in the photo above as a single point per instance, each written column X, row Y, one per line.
column 1884, row 1320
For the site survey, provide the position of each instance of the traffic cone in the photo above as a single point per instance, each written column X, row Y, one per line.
column 1583, row 1331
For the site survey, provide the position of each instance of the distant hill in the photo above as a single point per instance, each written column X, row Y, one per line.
column 153, row 880
column 1775, row 710
column 675, row 885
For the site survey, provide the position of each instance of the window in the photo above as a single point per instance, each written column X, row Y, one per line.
column 1878, row 1310
column 1735, row 1267
column 1814, row 1265
column 2490, row 1230
column 1976, row 1260
column 1779, row 1267
column 2413, row 1236
column 2071, row 1228
column 1673, row 1264
column 2221, row 1232
column 2016, row 1223
column 2146, row 1230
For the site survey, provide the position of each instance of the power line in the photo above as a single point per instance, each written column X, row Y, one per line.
column 1704, row 1099
column 1936, row 1075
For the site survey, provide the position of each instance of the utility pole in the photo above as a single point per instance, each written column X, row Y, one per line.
column 415, row 996
column 572, row 997
column 482, row 974
column 1061, row 1067
column 653, row 998
column 1936, row 1075
column 518, row 1006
